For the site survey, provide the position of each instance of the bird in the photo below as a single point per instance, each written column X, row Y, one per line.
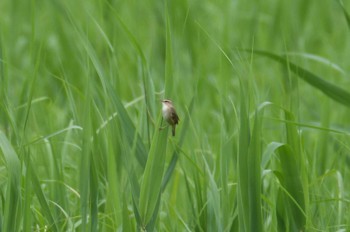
column 169, row 114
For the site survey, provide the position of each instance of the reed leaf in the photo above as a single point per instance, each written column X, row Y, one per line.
column 12, row 210
column 153, row 175
column 335, row 92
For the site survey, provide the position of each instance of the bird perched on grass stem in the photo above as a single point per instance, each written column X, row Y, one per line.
column 169, row 114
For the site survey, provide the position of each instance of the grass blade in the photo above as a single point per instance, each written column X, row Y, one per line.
column 293, row 204
column 46, row 211
column 12, row 212
column 254, row 164
column 129, row 129
column 214, row 212
column 168, row 57
column 346, row 14
column 153, row 175
column 146, row 81
column 269, row 151
column 336, row 93
column 249, row 171
column 85, row 165
column 27, row 220
column 242, row 167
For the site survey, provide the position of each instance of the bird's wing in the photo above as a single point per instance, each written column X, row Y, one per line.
column 175, row 118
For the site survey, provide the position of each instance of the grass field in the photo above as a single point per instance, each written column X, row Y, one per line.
column 262, row 90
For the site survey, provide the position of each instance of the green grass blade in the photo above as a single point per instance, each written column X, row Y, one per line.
column 269, row 151
column 94, row 186
column 129, row 129
column 168, row 57
column 346, row 14
column 153, row 175
column 31, row 93
column 114, row 163
column 90, row 50
column 137, row 213
column 152, row 223
column 249, row 171
column 340, row 192
column 133, row 180
column 170, row 169
column 131, row 37
column 190, row 197
column 336, row 93
column 127, row 223
column 214, row 212
column 294, row 205
column 146, row 81
column 46, row 211
column 28, row 195
column 200, row 182
column 85, row 165
column 149, row 98
column 294, row 163
column 242, row 167
column 12, row 211
column 254, row 164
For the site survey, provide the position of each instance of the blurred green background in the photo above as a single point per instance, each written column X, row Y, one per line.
column 258, row 148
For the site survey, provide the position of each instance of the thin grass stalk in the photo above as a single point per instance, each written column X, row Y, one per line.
column 169, row 70
column 85, row 165
column 242, row 166
column 28, row 196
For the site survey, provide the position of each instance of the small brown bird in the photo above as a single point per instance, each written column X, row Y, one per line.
column 169, row 114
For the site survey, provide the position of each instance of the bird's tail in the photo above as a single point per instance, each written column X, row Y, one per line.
column 173, row 130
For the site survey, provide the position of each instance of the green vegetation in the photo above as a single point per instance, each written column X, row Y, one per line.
column 261, row 88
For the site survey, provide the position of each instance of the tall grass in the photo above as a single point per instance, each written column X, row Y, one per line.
column 261, row 89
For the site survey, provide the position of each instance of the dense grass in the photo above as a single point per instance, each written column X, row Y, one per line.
column 261, row 88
